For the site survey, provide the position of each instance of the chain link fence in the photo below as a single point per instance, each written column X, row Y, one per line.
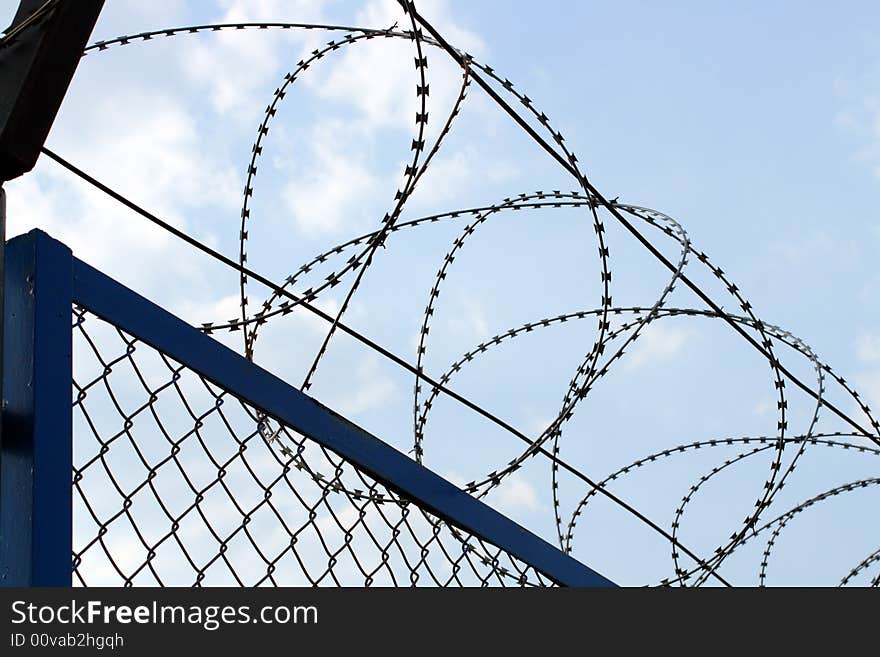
column 177, row 482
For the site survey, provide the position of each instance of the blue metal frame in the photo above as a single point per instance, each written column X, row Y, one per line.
column 35, row 465
column 151, row 324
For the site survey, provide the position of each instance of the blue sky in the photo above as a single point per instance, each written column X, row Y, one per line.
column 754, row 125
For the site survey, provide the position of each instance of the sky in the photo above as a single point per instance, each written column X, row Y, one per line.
column 755, row 125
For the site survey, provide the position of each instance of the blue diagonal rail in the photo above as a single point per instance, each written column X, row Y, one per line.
column 158, row 328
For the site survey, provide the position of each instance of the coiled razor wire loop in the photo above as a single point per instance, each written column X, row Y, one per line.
column 863, row 565
column 356, row 255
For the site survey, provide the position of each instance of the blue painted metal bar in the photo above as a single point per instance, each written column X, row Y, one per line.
column 148, row 322
column 36, row 455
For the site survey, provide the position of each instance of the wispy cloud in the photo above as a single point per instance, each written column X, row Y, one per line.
column 340, row 178
column 332, row 191
column 453, row 171
column 470, row 320
column 371, row 389
column 233, row 68
column 763, row 407
column 868, row 348
column 859, row 116
column 658, row 343
column 151, row 149
column 515, row 495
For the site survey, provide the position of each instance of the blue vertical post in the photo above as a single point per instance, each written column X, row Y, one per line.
column 36, row 452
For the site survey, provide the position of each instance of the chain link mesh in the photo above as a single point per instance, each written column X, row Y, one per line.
column 177, row 482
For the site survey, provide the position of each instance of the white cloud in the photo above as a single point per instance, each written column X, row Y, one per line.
column 379, row 77
column 127, row 16
column 197, row 311
column 536, row 425
column 329, row 524
column 455, row 478
column 868, row 348
column 658, row 343
column 100, row 231
column 815, row 244
column 326, row 194
column 148, row 148
column 237, row 66
column 470, row 319
column 367, row 95
column 860, row 117
column 372, row 389
column 763, row 407
column 157, row 155
column 515, row 495
column 450, row 172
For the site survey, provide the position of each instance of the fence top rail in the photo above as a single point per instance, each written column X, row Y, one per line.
column 144, row 320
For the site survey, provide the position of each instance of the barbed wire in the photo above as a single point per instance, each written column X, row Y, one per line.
column 610, row 343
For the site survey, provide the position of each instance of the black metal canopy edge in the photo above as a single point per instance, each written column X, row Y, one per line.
column 38, row 57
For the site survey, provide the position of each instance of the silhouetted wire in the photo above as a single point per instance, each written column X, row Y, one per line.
column 765, row 350
column 101, row 45
column 587, row 373
column 614, row 212
column 411, row 173
column 372, row 345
